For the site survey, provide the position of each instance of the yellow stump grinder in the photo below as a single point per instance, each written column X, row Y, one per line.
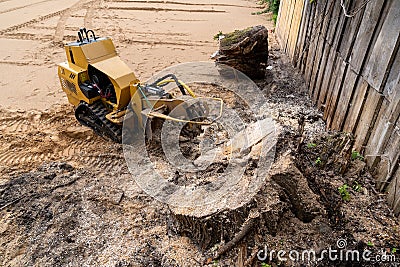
column 103, row 89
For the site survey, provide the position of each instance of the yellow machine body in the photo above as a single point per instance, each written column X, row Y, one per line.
column 101, row 86
column 102, row 56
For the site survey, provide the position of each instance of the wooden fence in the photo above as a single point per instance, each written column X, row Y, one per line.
column 351, row 65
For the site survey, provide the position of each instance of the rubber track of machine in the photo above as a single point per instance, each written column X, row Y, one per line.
column 109, row 129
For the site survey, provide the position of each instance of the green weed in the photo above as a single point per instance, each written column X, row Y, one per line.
column 216, row 37
column 357, row 187
column 273, row 6
column 356, row 155
column 311, row 145
column 344, row 193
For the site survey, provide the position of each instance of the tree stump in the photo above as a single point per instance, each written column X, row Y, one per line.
column 285, row 188
column 208, row 230
column 245, row 50
column 226, row 228
column 235, row 198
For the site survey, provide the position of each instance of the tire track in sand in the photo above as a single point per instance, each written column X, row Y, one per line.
column 28, row 36
column 32, row 21
column 90, row 6
column 24, row 6
column 90, row 11
column 59, row 33
column 29, row 139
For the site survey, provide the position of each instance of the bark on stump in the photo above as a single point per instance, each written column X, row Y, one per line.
column 208, row 230
column 229, row 226
column 245, row 50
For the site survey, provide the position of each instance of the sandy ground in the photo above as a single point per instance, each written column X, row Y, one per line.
column 66, row 195
column 149, row 35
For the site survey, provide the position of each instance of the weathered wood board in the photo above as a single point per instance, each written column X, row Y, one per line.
column 321, row 10
column 367, row 119
column 314, row 92
column 333, row 23
column 356, row 107
column 281, row 23
column 333, row 91
column 295, row 26
column 385, row 48
column 386, row 120
column 365, row 34
column 349, row 34
column 344, row 99
column 328, row 59
column 306, row 50
column 325, row 75
column 289, row 19
column 319, row 66
column 394, row 193
column 301, row 34
column 393, row 79
column 386, row 168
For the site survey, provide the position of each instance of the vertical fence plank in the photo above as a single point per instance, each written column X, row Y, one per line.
column 356, row 106
column 289, row 19
column 379, row 144
column 323, row 52
column 348, row 89
column 393, row 77
column 328, row 58
column 338, row 103
column 336, row 40
column 332, row 70
column 394, row 193
column 385, row 48
column 321, row 6
column 306, row 50
column 334, row 89
column 327, row 77
column 322, row 75
column 352, row 26
column 365, row 33
column 314, row 38
column 367, row 119
column 305, row 18
column 324, row 21
column 315, row 68
column 334, row 22
column 388, row 165
column 355, row 52
column 386, row 119
column 295, row 26
column 281, row 23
